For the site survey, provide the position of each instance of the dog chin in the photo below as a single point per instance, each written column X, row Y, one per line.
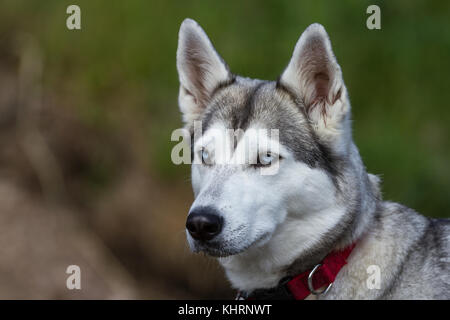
column 218, row 253
column 215, row 249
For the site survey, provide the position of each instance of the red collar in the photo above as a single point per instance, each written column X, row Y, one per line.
column 299, row 287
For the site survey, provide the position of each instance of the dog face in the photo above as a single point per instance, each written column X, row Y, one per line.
column 266, row 161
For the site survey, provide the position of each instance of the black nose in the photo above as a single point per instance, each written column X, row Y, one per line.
column 204, row 224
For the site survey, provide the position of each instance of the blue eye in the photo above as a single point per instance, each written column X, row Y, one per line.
column 205, row 156
column 266, row 159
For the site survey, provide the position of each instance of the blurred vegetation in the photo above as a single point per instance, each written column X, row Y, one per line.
column 120, row 70
column 117, row 77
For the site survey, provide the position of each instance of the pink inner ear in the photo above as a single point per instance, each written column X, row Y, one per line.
column 321, row 81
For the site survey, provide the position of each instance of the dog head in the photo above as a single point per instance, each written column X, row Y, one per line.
column 278, row 171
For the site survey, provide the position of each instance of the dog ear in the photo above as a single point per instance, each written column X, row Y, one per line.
column 315, row 77
column 200, row 70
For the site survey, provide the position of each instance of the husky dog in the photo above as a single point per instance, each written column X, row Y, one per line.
column 263, row 228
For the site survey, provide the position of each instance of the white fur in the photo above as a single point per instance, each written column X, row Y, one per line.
column 271, row 220
column 291, row 211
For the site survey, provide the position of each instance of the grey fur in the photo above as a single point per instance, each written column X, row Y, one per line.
column 412, row 251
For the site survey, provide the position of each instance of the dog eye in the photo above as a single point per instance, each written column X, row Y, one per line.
column 266, row 159
column 205, row 156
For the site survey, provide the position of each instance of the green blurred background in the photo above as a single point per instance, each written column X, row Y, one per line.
column 86, row 117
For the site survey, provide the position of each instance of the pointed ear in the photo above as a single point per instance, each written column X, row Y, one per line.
column 315, row 77
column 200, row 69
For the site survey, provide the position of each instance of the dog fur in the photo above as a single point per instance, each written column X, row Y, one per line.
column 321, row 198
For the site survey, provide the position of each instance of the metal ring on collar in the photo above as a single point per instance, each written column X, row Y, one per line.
column 310, row 285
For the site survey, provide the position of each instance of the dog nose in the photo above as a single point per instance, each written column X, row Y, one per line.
column 204, row 224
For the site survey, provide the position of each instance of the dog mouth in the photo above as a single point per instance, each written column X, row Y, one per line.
column 214, row 249
column 220, row 249
column 216, row 252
